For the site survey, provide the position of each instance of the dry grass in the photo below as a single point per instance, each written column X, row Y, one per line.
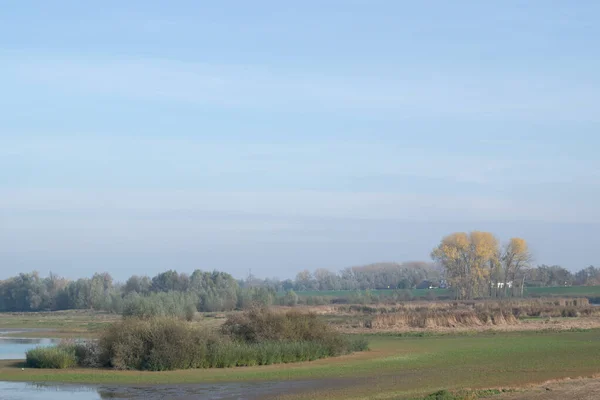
column 432, row 319
column 558, row 389
column 505, row 315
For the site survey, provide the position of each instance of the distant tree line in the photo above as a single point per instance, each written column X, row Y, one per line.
column 168, row 293
column 374, row 276
column 555, row 275
column 178, row 294
column 174, row 293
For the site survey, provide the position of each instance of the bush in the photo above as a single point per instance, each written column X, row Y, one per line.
column 56, row 357
column 90, row 355
column 161, row 304
column 358, row 344
column 161, row 344
column 260, row 325
column 155, row 344
column 403, row 295
column 252, row 297
column 316, row 301
column 256, row 337
column 291, row 298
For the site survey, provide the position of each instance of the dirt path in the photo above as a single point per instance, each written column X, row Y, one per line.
column 573, row 389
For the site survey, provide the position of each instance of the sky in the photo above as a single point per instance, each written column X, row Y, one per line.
column 142, row 136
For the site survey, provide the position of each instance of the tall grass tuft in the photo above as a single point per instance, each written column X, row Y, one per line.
column 55, row 357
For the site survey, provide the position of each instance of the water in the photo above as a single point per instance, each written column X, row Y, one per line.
column 221, row 391
column 25, row 391
column 15, row 348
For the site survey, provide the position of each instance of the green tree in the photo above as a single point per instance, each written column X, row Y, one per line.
column 291, row 298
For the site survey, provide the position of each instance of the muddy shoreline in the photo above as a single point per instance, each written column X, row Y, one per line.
column 217, row 391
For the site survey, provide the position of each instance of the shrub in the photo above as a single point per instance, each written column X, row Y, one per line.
column 56, row 357
column 260, row 325
column 358, row 344
column 155, row 344
column 316, row 301
column 291, row 298
column 90, row 355
column 256, row 337
column 161, row 304
column 403, row 295
column 252, row 297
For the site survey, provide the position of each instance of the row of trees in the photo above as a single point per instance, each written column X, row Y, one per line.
column 30, row 292
column 474, row 264
column 373, row 276
column 555, row 275
column 167, row 293
column 206, row 291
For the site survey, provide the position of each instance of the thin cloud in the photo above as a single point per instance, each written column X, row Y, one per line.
column 374, row 205
column 407, row 94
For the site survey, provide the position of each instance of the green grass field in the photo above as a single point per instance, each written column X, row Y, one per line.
column 572, row 291
column 395, row 368
column 417, row 293
column 581, row 291
column 61, row 324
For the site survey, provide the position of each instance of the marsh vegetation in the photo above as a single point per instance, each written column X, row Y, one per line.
column 258, row 336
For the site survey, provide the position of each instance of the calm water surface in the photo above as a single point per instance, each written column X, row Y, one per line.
column 221, row 391
column 15, row 348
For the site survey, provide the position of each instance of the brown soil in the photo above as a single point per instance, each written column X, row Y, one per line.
column 572, row 389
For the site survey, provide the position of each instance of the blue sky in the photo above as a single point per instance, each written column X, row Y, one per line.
column 141, row 136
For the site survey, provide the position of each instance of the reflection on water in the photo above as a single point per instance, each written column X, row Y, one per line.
column 26, row 391
column 15, row 348
column 221, row 391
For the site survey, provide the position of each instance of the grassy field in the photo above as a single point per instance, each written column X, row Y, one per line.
column 575, row 291
column 416, row 293
column 395, row 368
column 58, row 324
column 563, row 291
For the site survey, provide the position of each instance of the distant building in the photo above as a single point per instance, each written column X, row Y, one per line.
column 423, row 285
column 427, row 285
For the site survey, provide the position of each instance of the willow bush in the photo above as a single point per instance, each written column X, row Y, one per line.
column 255, row 337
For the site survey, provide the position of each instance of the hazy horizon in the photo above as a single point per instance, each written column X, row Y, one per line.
column 138, row 137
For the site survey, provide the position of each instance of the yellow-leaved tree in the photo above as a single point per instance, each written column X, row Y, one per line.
column 475, row 264
column 485, row 248
column 469, row 260
column 515, row 257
